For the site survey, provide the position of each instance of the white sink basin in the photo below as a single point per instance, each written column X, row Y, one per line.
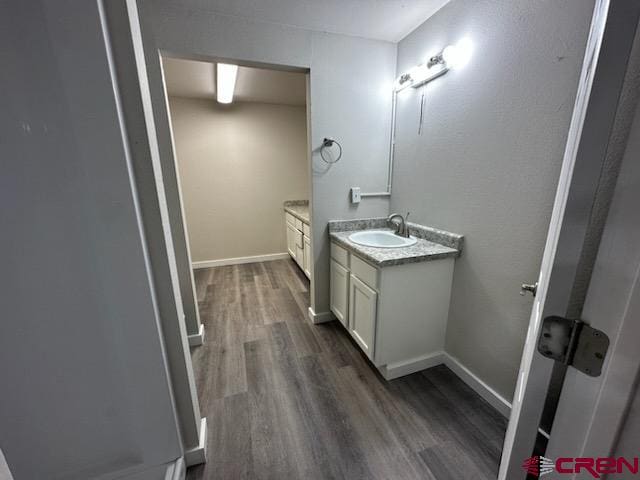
column 381, row 239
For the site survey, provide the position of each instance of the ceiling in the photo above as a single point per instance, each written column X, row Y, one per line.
column 389, row 20
column 194, row 79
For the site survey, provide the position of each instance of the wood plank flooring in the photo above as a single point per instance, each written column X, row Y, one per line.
column 285, row 399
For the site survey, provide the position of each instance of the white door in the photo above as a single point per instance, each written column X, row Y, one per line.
column 565, row 270
column 592, row 411
column 362, row 314
column 339, row 284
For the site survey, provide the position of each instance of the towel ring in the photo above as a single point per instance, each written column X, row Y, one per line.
column 327, row 143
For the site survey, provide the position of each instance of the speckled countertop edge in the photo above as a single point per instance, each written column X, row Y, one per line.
column 299, row 209
column 433, row 244
column 357, row 224
column 293, row 203
column 448, row 239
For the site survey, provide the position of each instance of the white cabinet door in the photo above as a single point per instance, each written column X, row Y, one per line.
column 299, row 247
column 300, row 255
column 362, row 315
column 291, row 240
column 340, row 292
column 306, row 264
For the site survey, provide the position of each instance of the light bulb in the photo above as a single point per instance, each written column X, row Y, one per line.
column 458, row 55
column 450, row 55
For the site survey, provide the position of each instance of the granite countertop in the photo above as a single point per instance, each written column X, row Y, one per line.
column 432, row 244
column 299, row 209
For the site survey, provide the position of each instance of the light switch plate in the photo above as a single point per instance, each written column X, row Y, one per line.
column 355, row 195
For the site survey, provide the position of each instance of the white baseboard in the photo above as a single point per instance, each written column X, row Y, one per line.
column 239, row 260
column 198, row 455
column 407, row 367
column 197, row 339
column 496, row 400
column 320, row 317
column 176, row 470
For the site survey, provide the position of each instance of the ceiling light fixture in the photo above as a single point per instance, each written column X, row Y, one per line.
column 226, row 82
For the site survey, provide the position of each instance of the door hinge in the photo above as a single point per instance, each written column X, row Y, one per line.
column 573, row 343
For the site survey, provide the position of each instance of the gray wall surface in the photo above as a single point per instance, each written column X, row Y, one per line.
column 238, row 163
column 350, row 82
column 487, row 162
column 85, row 389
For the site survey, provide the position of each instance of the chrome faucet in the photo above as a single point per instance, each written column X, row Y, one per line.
column 402, row 229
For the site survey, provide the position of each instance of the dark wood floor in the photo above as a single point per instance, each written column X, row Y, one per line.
column 285, row 399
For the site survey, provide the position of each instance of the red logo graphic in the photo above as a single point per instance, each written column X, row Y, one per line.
column 538, row 465
column 596, row 467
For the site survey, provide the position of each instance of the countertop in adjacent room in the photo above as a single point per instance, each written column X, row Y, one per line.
column 299, row 209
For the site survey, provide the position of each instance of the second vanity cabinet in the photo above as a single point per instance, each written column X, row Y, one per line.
column 396, row 314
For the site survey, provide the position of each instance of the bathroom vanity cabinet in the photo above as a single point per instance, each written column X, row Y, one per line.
column 299, row 242
column 396, row 314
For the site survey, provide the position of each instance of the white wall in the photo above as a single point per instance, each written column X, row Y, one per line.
column 237, row 165
column 85, row 389
column 487, row 162
column 350, row 81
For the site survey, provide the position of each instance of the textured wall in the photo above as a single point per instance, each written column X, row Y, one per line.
column 237, row 165
column 487, row 161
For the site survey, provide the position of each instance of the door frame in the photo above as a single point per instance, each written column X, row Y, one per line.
column 128, row 44
column 160, row 97
column 568, row 255
column 162, row 109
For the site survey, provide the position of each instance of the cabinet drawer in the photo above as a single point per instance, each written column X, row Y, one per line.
column 290, row 218
column 298, row 223
column 365, row 272
column 340, row 255
column 306, row 229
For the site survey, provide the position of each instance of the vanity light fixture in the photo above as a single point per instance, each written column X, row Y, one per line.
column 226, row 82
column 453, row 56
column 423, row 73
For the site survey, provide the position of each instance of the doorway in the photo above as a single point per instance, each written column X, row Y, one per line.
column 243, row 165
